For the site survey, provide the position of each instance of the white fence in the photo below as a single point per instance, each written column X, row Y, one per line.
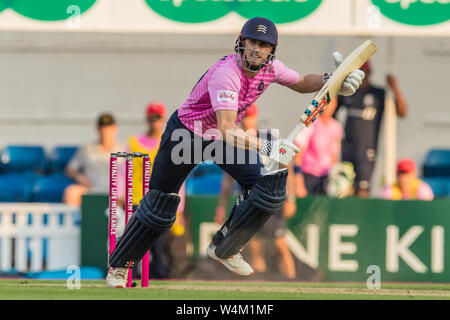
column 39, row 236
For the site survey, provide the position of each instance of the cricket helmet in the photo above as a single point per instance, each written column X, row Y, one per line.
column 262, row 29
column 258, row 28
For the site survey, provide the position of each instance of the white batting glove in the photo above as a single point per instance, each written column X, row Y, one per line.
column 281, row 150
column 353, row 80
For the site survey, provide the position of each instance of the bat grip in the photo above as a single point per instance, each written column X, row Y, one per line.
column 293, row 134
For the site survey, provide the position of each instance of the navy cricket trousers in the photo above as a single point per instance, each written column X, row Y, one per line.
column 168, row 174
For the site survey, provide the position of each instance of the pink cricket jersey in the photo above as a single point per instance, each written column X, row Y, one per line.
column 225, row 86
column 321, row 144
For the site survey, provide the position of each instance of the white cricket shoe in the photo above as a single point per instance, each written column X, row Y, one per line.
column 235, row 263
column 117, row 278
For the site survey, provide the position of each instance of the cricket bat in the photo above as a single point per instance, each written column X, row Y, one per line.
column 334, row 84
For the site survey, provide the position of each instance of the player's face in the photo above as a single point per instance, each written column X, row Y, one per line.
column 256, row 51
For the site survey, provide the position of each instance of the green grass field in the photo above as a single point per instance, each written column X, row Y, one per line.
column 25, row 289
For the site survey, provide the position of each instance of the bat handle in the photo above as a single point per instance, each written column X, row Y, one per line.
column 291, row 137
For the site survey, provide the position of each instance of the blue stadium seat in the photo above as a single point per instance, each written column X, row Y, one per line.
column 204, row 185
column 22, row 158
column 59, row 157
column 437, row 163
column 16, row 186
column 439, row 185
column 50, row 188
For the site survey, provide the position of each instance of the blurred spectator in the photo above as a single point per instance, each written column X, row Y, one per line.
column 341, row 179
column 408, row 186
column 320, row 147
column 148, row 143
column 274, row 228
column 89, row 167
column 364, row 114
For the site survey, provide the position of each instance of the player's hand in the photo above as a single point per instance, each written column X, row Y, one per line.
column 353, row 80
column 281, row 151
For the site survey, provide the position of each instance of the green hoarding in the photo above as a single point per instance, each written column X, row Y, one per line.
column 413, row 12
column 341, row 238
column 47, row 10
column 94, row 231
column 196, row 11
column 344, row 238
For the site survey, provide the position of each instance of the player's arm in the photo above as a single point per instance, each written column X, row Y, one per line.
column 309, row 83
column 290, row 78
column 223, row 90
column 314, row 82
column 232, row 134
column 280, row 150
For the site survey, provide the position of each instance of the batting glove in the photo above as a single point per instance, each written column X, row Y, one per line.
column 281, row 150
column 353, row 80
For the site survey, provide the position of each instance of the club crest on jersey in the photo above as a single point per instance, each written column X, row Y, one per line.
column 227, row 95
column 261, row 86
column 261, row 28
column 282, row 151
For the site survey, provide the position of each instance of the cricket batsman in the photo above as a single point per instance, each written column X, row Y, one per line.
column 208, row 121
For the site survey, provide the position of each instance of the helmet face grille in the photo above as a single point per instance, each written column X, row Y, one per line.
column 245, row 64
column 242, row 61
column 261, row 29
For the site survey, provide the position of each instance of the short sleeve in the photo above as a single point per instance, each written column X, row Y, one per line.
column 223, row 88
column 283, row 75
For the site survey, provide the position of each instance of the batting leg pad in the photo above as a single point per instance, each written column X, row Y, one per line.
column 266, row 198
column 155, row 214
column 242, row 196
column 158, row 209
